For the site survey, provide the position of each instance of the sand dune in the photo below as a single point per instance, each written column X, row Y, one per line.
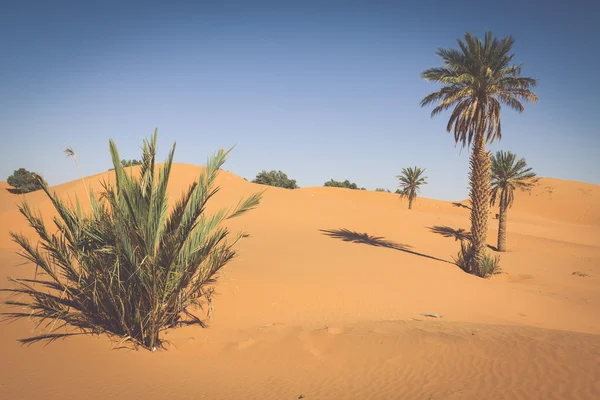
column 325, row 299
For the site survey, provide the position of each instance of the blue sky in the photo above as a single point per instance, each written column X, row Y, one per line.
column 318, row 90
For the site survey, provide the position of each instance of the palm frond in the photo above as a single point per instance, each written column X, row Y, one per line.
column 475, row 79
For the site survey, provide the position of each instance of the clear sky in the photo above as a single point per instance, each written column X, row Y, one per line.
column 319, row 90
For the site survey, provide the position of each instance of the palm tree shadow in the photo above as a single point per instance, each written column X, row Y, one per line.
column 458, row 234
column 461, row 205
column 377, row 241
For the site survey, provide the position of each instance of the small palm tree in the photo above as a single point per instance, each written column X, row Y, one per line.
column 477, row 79
column 410, row 181
column 130, row 268
column 508, row 174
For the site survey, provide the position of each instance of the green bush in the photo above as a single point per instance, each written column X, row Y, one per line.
column 129, row 268
column 24, row 181
column 345, row 184
column 490, row 266
column 275, row 178
column 382, row 190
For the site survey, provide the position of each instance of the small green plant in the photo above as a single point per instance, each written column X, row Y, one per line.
column 488, row 267
column 382, row 190
column 24, row 181
column 129, row 268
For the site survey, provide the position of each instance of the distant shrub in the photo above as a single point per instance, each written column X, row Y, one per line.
column 275, row 178
column 346, row 184
column 489, row 266
column 128, row 163
column 130, row 267
column 382, row 190
column 24, row 181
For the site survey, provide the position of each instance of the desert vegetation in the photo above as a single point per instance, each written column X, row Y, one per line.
column 476, row 80
column 24, row 181
column 129, row 268
column 128, row 163
column 508, row 174
column 489, row 266
column 411, row 180
column 275, row 178
column 345, row 184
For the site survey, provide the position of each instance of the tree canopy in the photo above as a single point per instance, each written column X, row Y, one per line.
column 345, row 184
column 24, row 181
column 275, row 178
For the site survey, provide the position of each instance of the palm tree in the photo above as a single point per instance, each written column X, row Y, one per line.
column 410, row 181
column 477, row 79
column 508, row 174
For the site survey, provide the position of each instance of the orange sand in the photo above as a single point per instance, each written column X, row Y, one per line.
column 312, row 307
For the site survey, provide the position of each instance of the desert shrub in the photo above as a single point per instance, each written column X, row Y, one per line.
column 128, row 163
column 345, row 184
column 24, row 181
column 382, row 190
column 129, row 268
column 275, row 178
column 489, row 266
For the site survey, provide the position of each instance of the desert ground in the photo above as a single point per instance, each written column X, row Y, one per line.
column 325, row 302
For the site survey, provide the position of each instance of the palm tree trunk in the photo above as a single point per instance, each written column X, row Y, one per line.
column 480, row 201
column 410, row 201
column 502, row 225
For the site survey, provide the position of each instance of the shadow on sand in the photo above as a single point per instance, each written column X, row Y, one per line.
column 461, row 205
column 457, row 234
column 377, row 241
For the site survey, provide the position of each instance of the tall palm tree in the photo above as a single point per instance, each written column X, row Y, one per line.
column 477, row 79
column 410, row 181
column 508, row 174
